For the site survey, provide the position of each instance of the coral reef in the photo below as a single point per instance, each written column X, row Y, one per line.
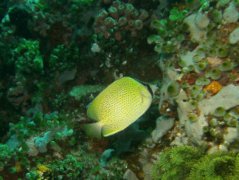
column 204, row 71
column 57, row 55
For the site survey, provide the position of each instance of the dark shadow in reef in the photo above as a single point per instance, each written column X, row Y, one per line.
column 19, row 16
column 3, row 9
column 128, row 140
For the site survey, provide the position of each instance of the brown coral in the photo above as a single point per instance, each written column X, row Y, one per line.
column 120, row 19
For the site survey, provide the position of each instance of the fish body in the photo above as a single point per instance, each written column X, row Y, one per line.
column 118, row 106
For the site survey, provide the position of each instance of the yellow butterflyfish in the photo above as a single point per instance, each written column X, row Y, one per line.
column 117, row 106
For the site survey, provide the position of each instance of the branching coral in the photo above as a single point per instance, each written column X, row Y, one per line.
column 27, row 57
column 75, row 165
column 70, row 167
column 58, row 60
column 34, row 134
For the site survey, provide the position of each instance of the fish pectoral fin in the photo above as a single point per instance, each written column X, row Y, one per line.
column 109, row 129
column 93, row 130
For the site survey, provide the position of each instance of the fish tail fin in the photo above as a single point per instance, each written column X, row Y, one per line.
column 93, row 130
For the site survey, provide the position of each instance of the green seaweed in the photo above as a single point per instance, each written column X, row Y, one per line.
column 220, row 165
column 191, row 163
column 175, row 163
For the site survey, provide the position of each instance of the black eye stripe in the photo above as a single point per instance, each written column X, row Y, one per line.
column 148, row 87
column 150, row 90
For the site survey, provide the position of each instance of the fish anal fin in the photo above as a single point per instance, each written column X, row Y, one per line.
column 108, row 130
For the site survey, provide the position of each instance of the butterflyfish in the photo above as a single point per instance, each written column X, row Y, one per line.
column 117, row 106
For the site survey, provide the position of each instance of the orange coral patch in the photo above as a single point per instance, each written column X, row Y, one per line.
column 214, row 87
